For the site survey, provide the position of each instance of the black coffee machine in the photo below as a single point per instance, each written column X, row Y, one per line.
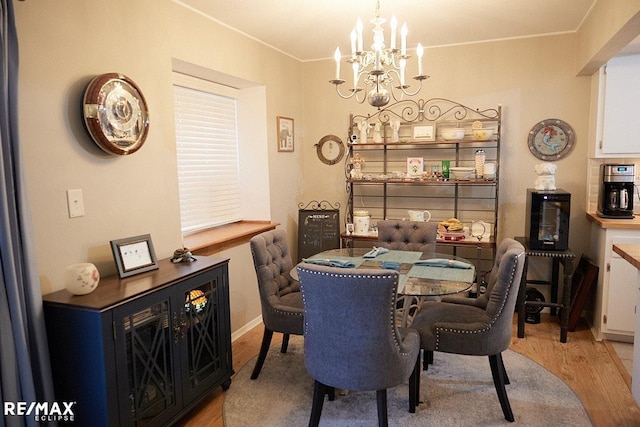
column 615, row 196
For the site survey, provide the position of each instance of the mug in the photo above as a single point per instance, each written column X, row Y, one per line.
column 420, row 216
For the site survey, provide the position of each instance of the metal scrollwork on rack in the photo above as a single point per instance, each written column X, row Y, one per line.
column 410, row 111
column 319, row 205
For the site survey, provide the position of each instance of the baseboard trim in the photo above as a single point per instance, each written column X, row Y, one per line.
column 246, row 328
column 616, row 361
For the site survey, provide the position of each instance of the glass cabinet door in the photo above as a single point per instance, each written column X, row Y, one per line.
column 144, row 338
column 204, row 360
column 550, row 222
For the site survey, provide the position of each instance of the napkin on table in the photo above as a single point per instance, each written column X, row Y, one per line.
column 330, row 262
column 441, row 262
column 389, row 265
column 375, row 252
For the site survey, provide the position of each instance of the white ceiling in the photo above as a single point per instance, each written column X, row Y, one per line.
column 311, row 30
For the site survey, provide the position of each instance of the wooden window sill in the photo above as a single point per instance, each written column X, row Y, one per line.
column 217, row 239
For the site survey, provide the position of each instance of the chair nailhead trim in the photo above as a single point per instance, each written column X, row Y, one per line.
column 460, row 331
column 392, row 307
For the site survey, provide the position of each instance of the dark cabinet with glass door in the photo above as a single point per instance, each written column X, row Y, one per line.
column 142, row 351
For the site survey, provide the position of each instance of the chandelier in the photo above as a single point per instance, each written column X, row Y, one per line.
column 382, row 69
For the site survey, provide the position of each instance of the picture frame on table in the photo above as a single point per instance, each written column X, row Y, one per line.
column 134, row 255
column 415, row 167
column 286, row 140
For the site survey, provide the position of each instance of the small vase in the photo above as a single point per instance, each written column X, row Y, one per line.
column 81, row 279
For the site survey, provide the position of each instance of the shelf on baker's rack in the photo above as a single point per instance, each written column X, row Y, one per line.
column 424, row 181
column 467, row 241
column 414, row 142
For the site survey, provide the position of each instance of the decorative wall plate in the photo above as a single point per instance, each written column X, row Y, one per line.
column 330, row 149
column 551, row 139
column 116, row 114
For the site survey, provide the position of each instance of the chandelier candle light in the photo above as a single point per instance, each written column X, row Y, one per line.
column 380, row 66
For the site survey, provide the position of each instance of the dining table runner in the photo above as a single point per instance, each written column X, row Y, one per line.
column 404, row 263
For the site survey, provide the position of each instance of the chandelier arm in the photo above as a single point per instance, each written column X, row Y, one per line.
column 404, row 88
column 353, row 93
column 364, row 96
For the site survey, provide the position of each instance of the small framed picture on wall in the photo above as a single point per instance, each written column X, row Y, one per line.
column 285, row 134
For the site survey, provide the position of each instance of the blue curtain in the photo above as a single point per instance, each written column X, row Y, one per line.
column 25, row 374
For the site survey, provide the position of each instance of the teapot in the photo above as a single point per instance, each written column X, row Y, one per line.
column 419, row 216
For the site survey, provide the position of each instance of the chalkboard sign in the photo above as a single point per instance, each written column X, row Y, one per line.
column 318, row 230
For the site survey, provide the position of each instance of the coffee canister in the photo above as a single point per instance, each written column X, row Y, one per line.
column 489, row 171
column 361, row 220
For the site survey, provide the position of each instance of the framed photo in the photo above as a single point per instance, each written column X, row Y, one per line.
column 134, row 255
column 285, row 134
column 425, row 132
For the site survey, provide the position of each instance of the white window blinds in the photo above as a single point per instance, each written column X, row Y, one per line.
column 207, row 151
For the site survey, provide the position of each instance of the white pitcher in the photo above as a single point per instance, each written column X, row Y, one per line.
column 420, row 216
column 361, row 220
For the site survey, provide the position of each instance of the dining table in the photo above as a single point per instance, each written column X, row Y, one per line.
column 421, row 274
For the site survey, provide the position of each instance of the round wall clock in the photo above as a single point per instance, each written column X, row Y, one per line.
column 330, row 149
column 116, row 114
column 551, row 139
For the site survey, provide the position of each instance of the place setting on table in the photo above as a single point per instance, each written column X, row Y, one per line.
column 409, row 264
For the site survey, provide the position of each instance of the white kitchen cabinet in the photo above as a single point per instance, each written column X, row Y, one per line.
column 622, row 286
column 614, row 311
column 630, row 254
column 618, row 127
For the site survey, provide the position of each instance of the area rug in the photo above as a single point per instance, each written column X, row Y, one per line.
column 455, row 391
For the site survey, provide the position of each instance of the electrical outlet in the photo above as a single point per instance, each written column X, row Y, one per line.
column 75, row 203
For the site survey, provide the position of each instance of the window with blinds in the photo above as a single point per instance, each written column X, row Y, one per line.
column 207, row 152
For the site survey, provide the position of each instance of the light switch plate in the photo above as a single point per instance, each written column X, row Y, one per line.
column 75, row 203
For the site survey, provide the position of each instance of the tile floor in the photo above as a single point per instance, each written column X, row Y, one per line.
column 625, row 353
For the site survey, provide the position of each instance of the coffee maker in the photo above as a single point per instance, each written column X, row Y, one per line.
column 615, row 196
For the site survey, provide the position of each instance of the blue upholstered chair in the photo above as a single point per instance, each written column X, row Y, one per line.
column 408, row 235
column 280, row 296
column 351, row 340
column 478, row 327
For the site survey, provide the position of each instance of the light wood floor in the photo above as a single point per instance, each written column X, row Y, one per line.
column 590, row 368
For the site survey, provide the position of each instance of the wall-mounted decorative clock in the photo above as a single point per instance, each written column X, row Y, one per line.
column 330, row 149
column 116, row 114
column 551, row 139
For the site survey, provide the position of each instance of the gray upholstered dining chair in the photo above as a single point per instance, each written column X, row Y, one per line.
column 407, row 235
column 280, row 297
column 351, row 340
column 478, row 327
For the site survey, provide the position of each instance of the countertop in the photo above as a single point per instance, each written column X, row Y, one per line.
column 629, row 252
column 629, row 224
